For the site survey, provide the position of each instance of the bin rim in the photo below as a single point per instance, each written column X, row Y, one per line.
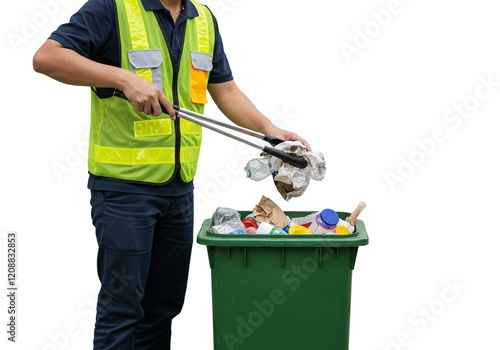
column 356, row 239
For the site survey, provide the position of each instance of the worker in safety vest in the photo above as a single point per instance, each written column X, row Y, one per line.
column 142, row 162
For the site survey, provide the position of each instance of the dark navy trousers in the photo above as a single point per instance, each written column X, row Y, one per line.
column 145, row 246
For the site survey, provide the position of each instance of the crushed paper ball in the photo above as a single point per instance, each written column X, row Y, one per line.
column 292, row 181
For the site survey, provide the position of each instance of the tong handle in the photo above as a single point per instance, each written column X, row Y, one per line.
column 273, row 140
column 289, row 158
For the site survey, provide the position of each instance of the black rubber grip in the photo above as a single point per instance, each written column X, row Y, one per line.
column 273, row 140
column 290, row 159
column 164, row 109
column 120, row 94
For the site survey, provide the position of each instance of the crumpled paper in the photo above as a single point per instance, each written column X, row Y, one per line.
column 268, row 211
column 292, row 181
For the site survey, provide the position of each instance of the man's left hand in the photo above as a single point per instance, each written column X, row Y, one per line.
column 289, row 136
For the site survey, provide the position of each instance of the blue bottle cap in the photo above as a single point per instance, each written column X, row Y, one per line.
column 329, row 217
column 286, row 228
column 249, row 173
column 238, row 232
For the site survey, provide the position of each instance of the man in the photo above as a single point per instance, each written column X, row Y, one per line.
column 141, row 164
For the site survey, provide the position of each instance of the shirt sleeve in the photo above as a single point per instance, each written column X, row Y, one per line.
column 221, row 72
column 91, row 32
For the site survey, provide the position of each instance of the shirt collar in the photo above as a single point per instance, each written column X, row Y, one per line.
column 156, row 5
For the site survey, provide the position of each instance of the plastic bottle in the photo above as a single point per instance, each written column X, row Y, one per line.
column 249, row 221
column 326, row 221
column 268, row 229
column 237, row 232
column 258, row 168
column 303, row 221
column 250, row 230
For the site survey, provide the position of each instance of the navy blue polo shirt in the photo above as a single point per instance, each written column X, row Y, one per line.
column 93, row 33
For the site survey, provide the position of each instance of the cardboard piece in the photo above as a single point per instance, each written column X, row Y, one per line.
column 268, row 211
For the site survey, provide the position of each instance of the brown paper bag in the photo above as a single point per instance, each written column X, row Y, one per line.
column 268, row 211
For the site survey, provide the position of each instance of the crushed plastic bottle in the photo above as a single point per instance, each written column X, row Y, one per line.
column 258, row 168
column 227, row 220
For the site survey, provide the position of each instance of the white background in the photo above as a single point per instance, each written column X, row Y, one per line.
column 366, row 111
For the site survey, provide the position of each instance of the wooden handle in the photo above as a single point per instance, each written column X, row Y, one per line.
column 352, row 218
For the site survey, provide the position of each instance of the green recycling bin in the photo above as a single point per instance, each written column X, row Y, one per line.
column 288, row 292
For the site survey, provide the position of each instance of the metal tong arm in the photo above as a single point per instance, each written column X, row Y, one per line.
column 203, row 120
column 271, row 139
column 291, row 159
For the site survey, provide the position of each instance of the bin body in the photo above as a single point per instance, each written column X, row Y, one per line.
column 281, row 291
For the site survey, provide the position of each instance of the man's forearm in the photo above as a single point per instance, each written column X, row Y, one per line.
column 69, row 67
column 238, row 108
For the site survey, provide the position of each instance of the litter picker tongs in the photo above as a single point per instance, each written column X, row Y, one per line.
column 205, row 121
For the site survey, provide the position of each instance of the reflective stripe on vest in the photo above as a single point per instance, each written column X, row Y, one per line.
column 125, row 144
column 202, row 24
column 137, row 34
column 135, row 156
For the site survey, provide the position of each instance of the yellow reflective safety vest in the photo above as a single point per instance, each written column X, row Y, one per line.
column 128, row 145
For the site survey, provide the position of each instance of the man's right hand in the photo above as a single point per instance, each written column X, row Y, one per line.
column 145, row 96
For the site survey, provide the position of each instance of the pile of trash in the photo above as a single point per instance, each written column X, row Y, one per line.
column 289, row 180
column 268, row 218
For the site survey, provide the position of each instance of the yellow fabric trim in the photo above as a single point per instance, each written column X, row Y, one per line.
column 138, row 34
column 155, row 127
column 136, row 25
column 99, row 130
column 189, row 128
column 133, row 156
column 202, row 26
column 145, row 73
column 189, row 154
column 138, row 156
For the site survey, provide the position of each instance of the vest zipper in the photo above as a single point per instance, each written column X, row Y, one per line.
column 175, row 78
column 177, row 122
